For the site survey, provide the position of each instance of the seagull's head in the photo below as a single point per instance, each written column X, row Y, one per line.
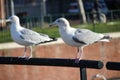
column 13, row 19
column 60, row 22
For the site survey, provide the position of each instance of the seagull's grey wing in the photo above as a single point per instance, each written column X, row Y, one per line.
column 32, row 36
column 43, row 35
column 86, row 36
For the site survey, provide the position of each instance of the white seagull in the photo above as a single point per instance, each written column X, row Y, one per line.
column 77, row 37
column 26, row 37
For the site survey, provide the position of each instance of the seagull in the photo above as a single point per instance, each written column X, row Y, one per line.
column 26, row 37
column 77, row 37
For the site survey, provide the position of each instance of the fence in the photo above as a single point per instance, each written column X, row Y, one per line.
column 113, row 65
column 112, row 15
column 37, row 21
column 83, row 64
column 31, row 22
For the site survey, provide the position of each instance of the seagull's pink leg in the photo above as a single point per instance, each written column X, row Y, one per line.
column 24, row 55
column 30, row 52
column 79, row 55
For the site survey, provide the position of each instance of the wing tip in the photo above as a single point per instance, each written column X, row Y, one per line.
column 106, row 38
column 53, row 39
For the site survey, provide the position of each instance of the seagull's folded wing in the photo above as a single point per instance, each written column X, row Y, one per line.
column 32, row 36
column 86, row 36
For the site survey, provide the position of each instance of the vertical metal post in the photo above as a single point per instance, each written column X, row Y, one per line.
column 44, row 7
column 93, row 26
column 88, row 17
column 12, row 7
column 7, row 8
column 41, row 14
column 111, row 15
column 42, row 11
column 63, row 15
column 83, row 75
column 81, row 8
column 50, row 16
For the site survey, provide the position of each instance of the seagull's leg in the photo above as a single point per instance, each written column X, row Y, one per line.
column 27, row 58
column 79, row 54
column 30, row 52
column 24, row 55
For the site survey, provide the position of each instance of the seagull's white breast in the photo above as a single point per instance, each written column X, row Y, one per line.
column 67, row 35
column 15, row 34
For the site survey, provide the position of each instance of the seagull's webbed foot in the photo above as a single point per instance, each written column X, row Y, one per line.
column 79, row 55
column 24, row 57
column 77, row 60
column 27, row 58
column 21, row 56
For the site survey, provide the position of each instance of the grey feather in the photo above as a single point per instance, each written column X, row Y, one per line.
column 32, row 36
column 77, row 40
column 87, row 36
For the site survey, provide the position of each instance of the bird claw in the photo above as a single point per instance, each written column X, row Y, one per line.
column 27, row 58
column 21, row 57
column 24, row 57
column 77, row 60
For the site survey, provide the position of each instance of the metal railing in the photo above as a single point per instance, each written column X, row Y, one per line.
column 113, row 65
column 82, row 65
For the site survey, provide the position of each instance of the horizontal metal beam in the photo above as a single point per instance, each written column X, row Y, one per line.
column 51, row 62
column 113, row 65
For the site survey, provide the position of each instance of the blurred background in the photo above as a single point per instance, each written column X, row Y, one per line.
column 40, row 11
column 101, row 16
column 37, row 14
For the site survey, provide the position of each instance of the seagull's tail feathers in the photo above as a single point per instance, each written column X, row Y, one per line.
column 105, row 38
column 50, row 40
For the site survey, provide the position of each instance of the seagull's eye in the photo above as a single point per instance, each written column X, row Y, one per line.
column 59, row 21
column 78, row 31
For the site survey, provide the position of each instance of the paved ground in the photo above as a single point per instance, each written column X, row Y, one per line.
column 14, row 45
